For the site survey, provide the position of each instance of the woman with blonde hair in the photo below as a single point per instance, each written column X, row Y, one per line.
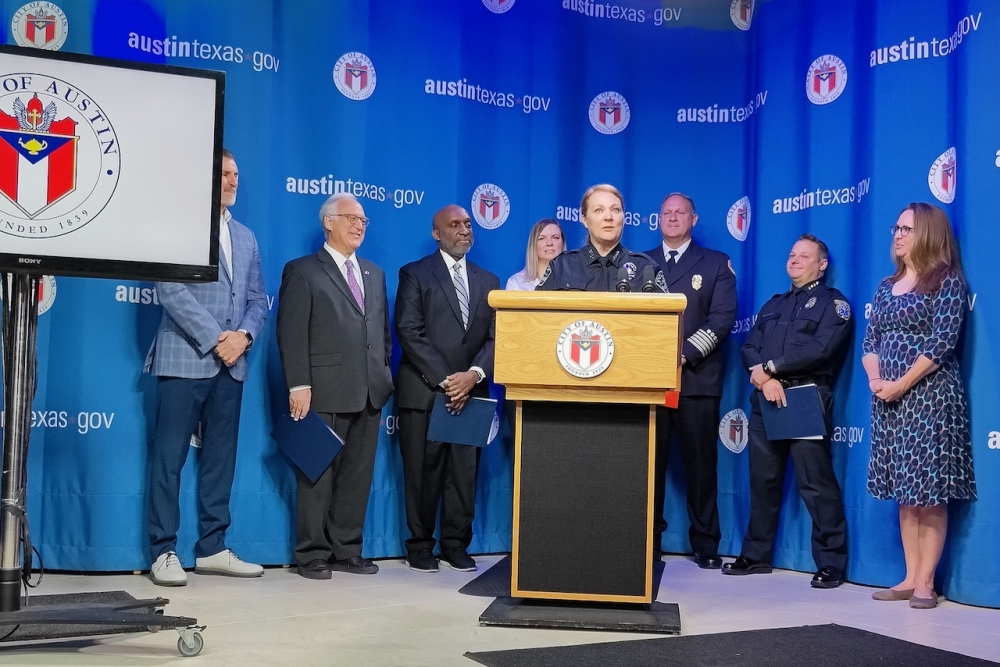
column 545, row 242
column 603, row 264
column 921, row 442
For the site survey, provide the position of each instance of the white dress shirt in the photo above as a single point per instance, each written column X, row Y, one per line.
column 226, row 241
column 680, row 251
column 341, row 264
column 520, row 283
column 450, row 262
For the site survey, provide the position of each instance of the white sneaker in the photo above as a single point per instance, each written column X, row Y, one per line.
column 228, row 564
column 167, row 571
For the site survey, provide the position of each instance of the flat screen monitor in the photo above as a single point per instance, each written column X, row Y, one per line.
column 109, row 169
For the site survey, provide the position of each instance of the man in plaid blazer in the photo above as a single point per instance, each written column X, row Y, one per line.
column 199, row 357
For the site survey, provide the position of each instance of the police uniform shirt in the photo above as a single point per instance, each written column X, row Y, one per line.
column 798, row 334
column 585, row 269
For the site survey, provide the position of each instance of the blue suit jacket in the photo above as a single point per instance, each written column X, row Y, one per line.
column 706, row 278
column 195, row 314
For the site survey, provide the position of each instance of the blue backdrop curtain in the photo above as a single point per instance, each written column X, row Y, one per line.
column 826, row 118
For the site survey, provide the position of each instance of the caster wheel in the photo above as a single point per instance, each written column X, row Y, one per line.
column 197, row 643
column 155, row 628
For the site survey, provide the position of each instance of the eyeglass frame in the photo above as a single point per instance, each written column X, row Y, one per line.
column 902, row 230
column 352, row 218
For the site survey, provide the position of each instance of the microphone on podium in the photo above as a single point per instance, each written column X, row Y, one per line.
column 622, row 284
column 648, row 277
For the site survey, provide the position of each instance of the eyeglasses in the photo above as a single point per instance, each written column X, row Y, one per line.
column 353, row 219
column 903, row 231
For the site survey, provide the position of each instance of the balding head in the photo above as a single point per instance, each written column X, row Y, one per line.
column 453, row 230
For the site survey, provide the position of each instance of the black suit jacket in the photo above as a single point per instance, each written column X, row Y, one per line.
column 326, row 341
column 429, row 329
column 706, row 278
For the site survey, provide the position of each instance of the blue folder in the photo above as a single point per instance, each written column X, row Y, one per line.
column 309, row 443
column 472, row 426
column 801, row 419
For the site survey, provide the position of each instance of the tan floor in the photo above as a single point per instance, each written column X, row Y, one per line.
column 401, row 618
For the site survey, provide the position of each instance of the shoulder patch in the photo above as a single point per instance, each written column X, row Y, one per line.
column 660, row 281
column 843, row 309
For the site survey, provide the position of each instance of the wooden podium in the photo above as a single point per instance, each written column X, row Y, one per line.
column 587, row 370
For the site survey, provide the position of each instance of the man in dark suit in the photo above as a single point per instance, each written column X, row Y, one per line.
column 445, row 327
column 335, row 345
column 707, row 279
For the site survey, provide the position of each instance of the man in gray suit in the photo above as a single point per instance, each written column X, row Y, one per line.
column 335, row 345
column 199, row 358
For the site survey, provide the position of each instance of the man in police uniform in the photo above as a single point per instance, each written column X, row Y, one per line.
column 603, row 265
column 706, row 278
column 798, row 339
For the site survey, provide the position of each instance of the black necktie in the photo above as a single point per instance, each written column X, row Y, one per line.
column 672, row 262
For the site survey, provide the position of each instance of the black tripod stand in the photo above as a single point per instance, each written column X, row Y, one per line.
column 20, row 324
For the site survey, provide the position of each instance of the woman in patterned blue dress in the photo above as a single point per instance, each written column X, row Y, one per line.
column 921, row 443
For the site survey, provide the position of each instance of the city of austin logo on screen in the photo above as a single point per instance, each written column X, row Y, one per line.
column 40, row 25
column 59, row 159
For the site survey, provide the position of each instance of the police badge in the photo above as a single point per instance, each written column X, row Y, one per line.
column 810, row 303
column 696, row 281
column 843, row 309
column 631, row 269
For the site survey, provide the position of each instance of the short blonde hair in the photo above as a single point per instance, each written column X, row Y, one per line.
column 600, row 187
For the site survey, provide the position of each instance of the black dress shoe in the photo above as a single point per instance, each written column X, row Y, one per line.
column 744, row 565
column 708, row 561
column 828, row 576
column 315, row 569
column 422, row 561
column 458, row 559
column 354, row 565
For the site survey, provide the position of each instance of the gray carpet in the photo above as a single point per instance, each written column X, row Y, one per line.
column 37, row 632
column 811, row 645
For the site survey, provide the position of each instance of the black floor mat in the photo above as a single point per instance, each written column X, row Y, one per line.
column 812, row 645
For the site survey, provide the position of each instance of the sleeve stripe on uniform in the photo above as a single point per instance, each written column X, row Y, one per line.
column 704, row 340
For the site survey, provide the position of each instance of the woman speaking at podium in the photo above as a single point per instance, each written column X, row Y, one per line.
column 603, row 264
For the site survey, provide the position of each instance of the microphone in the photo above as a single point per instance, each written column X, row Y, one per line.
column 648, row 276
column 622, row 284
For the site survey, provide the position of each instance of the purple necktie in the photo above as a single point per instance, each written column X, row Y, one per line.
column 352, row 282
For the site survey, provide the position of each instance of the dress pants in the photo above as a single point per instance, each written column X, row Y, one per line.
column 695, row 422
column 330, row 514
column 436, row 472
column 817, row 485
column 182, row 403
